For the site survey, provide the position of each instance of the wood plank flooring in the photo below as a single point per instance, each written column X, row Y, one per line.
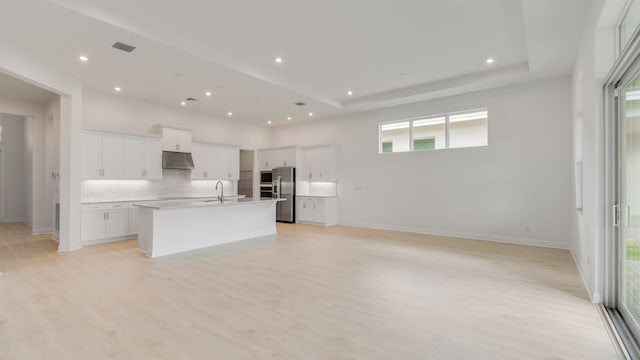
column 307, row 293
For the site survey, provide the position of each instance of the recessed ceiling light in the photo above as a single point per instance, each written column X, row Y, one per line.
column 349, row 92
column 288, row 117
column 183, row 103
column 208, row 93
column 310, row 114
column 83, row 58
column 490, row 60
column 269, row 122
column 117, row 88
column 230, row 113
column 279, row 60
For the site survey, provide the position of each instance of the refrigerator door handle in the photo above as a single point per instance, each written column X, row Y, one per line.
column 279, row 181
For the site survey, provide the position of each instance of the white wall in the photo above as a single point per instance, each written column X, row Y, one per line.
column 28, row 160
column 107, row 111
column 34, row 175
column 595, row 59
column 52, row 164
column 517, row 189
column 13, row 168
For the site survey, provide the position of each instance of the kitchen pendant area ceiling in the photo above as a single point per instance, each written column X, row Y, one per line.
column 386, row 53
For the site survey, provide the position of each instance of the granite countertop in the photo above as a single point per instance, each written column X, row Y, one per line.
column 192, row 203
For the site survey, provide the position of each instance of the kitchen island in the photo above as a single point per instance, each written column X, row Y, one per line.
column 169, row 227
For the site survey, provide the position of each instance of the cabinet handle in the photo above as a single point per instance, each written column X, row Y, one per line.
column 107, row 216
column 229, row 175
column 104, row 216
column 304, row 205
column 285, row 163
column 320, row 174
column 177, row 146
column 266, row 164
column 206, row 174
column 144, row 173
column 310, row 176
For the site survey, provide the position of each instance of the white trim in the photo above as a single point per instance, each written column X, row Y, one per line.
column 463, row 235
column 109, row 240
column 595, row 297
column 41, row 231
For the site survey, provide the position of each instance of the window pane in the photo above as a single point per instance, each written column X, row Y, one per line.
column 397, row 134
column 424, row 144
column 431, row 130
column 468, row 129
column 629, row 24
column 387, row 147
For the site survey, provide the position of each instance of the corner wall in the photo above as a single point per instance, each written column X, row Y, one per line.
column 518, row 189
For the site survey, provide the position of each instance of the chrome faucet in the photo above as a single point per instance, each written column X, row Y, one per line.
column 221, row 195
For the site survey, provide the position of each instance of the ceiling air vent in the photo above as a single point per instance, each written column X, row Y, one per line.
column 191, row 99
column 300, row 103
column 124, row 47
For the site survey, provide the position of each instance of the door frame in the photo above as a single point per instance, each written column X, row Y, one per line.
column 625, row 68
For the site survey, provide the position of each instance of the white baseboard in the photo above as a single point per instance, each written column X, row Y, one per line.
column 595, row 296
column 41, row 231
column 463, row 235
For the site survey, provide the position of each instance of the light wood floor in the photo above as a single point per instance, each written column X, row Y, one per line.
column 307, row 293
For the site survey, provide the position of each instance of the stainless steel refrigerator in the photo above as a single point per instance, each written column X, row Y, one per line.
column 284, row 187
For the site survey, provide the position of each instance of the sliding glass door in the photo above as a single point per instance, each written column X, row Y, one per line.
column 628, row 211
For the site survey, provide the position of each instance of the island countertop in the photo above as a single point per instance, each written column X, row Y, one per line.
column 192, row 203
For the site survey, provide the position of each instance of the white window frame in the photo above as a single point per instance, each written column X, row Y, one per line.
column 446, row 117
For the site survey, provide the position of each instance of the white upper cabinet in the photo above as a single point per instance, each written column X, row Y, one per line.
column 319, row 164
column 102, row 155
column 152, row 158
column 134, row 153
column 213, row 162
column 91, row 155
column 108, row 155
column 143, row 157
column 176, row 140
column 274, row 158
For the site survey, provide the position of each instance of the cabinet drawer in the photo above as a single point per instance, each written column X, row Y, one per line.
column 115, row 206
column 92, row 207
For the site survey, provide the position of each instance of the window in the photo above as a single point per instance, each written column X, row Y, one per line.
column 456, row 130
column 387, row 146
column 628, row 24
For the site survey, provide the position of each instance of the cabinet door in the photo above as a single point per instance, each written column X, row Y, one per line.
column 91, row 155
column 233, row 164
column 113, row 156
column 152, row 159
column 264, row 160
column 212, row 160
column 299, row 209
column 289, row 157
column 133, row 221
column 92, row 225
column 199, row 161
column 134, row 155
column 117, row 223
column 309, row 162
column 322, row 168
column 184, row 141
column 169, row 139
column 318, row 210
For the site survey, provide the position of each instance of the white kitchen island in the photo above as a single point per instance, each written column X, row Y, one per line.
column 169, row 227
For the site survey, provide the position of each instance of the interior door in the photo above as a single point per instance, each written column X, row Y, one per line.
column 628, row 212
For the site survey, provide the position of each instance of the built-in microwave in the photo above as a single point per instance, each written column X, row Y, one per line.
column 266, row 177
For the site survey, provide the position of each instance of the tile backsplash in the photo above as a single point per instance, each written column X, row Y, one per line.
column 173, row 183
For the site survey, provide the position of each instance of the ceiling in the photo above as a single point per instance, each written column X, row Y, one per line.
column 14, row 89
column 386, row 52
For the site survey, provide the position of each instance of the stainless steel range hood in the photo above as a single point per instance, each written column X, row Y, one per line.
column 177, row 160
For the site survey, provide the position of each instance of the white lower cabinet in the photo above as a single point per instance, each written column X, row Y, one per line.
column 133, row 220
column 316, row 210
column 104, row 222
